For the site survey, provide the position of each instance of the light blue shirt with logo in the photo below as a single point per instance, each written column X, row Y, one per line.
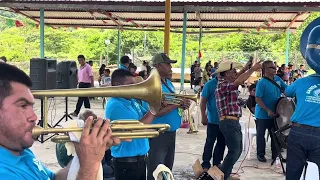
column 307, row 93
column 22, row 167
column 172, row 118
column 123, row 109
column 269, row 94
column 208, row 93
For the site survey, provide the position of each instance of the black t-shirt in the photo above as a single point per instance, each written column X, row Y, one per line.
column 251, row 103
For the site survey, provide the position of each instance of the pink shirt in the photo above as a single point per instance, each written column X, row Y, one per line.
column 85, row 74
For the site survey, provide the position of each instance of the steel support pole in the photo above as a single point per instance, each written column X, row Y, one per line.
column 41, row 33
column 167, row 27
column 119, row 46
column 287, row 46
column 184, row 41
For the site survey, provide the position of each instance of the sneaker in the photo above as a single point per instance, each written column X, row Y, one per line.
column 74, row 114
column 261, row 158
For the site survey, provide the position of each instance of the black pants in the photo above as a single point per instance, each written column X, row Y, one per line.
column 83, row 100
column 213, row 134
column 162, row 149
column 262, row 126
column 133, row 168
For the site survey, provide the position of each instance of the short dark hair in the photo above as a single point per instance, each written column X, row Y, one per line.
column 8, row 74
column 125, row 60
column 81, row 56
column 107, row 70
column 252, row 86
column 131, row 65
column 118, row 76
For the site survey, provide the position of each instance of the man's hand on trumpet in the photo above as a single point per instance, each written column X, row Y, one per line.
column 93, row 144
column 185, row 103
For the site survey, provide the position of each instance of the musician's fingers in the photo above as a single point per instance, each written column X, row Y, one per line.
column 107, row 136
column 96, row 127
column 87, row 126
column 104, row 129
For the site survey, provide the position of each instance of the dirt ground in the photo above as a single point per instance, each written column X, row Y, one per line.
column 189, row 147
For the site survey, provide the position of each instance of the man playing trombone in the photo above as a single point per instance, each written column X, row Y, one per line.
column 129, row 158
column 17, row 118
column 162, row 148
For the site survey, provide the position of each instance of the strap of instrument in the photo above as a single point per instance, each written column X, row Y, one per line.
column 276, row 84
column 165, row 83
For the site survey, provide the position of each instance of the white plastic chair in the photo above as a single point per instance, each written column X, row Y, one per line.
column 312, row 172
column 244, row 129
column 252, row 133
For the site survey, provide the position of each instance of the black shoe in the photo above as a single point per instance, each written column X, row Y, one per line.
column 262, row 159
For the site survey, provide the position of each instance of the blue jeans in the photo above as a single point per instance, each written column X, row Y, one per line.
column 262, row 126
column 213, row 134
column 231, row 131
column 303, row 145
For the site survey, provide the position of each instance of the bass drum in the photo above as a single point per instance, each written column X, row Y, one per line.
column 285, row 108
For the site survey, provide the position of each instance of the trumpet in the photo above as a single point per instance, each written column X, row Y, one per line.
column 149, row 91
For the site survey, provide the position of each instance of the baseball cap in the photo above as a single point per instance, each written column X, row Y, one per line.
column 162, row 58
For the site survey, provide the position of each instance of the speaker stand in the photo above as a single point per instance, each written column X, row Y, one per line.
column 66, row 116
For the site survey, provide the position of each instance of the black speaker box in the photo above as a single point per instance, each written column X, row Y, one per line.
column 67, row 75
column 43, row 73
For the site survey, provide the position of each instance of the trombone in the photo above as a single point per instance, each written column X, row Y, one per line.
column 149, row 90
column 177, row 98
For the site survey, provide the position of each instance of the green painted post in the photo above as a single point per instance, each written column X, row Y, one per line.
column 287, row 46
column 119, row 45
column 184, row 39
column 41, row 33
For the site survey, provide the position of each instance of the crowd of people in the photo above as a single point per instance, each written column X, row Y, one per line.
column 139, row 158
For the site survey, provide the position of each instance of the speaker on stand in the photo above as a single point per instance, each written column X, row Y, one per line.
column 43, row 77
column 66, row 79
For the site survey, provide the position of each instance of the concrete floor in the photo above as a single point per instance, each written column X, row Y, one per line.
column 189, row 147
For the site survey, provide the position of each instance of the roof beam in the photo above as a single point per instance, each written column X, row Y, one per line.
column 135, row 6
column 143, row 19
column 157, row 26
column 295, row 19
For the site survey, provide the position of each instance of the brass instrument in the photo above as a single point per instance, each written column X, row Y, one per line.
column 177, row 98
column 149, row 90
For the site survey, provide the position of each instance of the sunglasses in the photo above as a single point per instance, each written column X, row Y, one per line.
column 272, row 67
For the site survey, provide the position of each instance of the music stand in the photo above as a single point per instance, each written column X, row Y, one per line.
column 66, row 116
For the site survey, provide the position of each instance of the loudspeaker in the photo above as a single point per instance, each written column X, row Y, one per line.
column 67, row 75
column 43, row 73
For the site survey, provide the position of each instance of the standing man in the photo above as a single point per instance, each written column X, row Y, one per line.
column 85, row 80
column 229, row 110
column 192, row 73
column 129, row 158
column 162, row 148
column 267, row 96
column 17, row 118
column 212, row 120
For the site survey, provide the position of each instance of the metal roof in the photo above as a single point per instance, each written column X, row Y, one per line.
column 150, row 14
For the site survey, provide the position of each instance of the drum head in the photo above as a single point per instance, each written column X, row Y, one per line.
column 285, row 109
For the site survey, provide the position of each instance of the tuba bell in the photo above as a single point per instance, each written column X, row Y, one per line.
column 149, row 90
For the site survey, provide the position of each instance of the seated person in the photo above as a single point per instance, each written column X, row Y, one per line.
column 17, row 120
column 105, row 78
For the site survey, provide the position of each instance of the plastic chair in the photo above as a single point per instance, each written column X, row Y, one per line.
column 252, row 133
column 312, row 172
column 244, row 133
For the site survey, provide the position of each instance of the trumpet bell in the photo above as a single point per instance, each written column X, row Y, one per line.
column 149, row 90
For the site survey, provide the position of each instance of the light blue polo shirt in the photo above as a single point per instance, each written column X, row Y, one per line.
column 269, row 95
column 307, row 93
column 123, row 67
column 208, row 93
column 172, row 118
column 123, row 109
column 23, row 167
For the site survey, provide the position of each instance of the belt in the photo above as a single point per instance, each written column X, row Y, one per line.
column 130, row 159
column 229, row 117
column 305, row 126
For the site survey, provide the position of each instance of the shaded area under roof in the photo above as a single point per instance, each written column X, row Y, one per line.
column 149, row 14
